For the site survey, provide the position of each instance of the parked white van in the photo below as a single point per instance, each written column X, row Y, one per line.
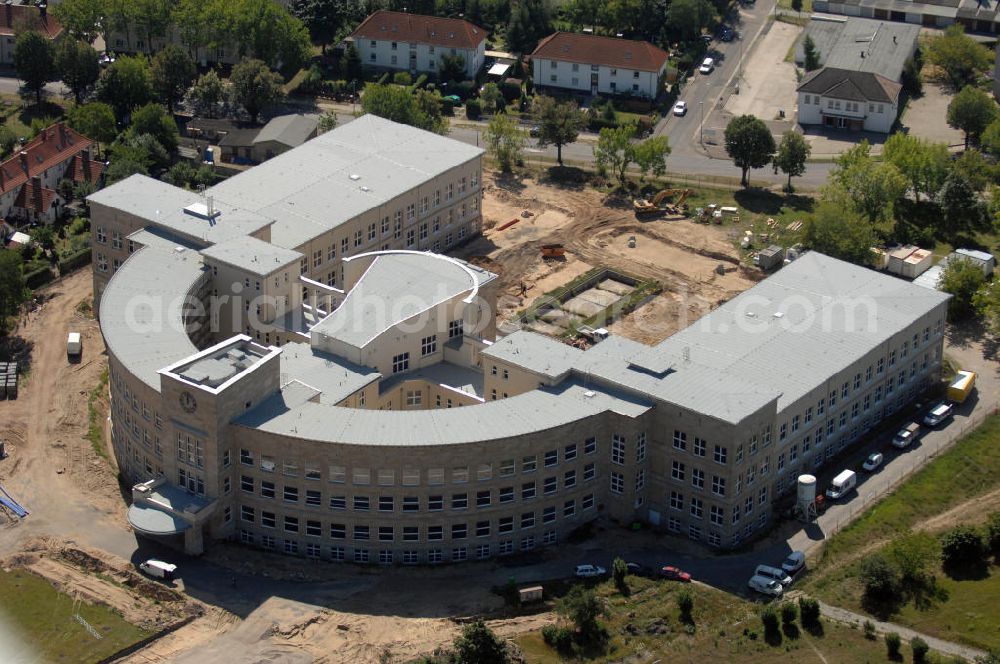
column 158, row 569
column 842, row 484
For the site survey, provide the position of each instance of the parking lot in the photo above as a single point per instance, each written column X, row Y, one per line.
column 768, row 84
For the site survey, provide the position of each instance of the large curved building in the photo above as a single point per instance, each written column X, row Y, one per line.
column 294, row 364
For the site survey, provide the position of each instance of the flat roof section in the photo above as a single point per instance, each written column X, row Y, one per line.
column 252, row 255
column 398, row 285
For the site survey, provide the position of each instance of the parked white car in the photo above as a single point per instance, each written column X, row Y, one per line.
column 774, row 573
column 588, row 571
column 766, row 586
column 795, row 561
column 873, row 461
column 707, row 65
column 939, row 414
column 680, row 108
column 906, row 435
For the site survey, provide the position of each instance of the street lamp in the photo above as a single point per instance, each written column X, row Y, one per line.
column 701, row 126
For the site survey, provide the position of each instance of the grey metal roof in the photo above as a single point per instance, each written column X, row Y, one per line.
column 792, row 331
column 975, row 254
column 532, row 412
column 535, row 352
column 931, row 276
column 162, row 205
column 850, row 85
column 334, row 378
column 840, row 42
column 141, row 311
column 461, row 378
column 292, row 130
column 309, row 190
column 396, row 286
column 253, row 255
column 152, row 521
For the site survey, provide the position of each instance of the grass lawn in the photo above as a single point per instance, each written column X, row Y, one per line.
column 19, row 120
column 646, row 625
column 968, row 610
column 41, row 620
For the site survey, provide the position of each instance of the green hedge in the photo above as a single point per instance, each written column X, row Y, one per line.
column 419, row 83
column 38, row 277
column 75, row 260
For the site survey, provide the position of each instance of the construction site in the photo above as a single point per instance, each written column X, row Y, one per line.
column 540, row 237
column 650, row 274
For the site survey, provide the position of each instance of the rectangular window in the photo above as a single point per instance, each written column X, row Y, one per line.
column 506, row 495
column 677, row 471
column 698, row 478
column 266, row 489
column 618, row 449
column 699, row 447
column 483, row 498
column 589, row 472
column 505, row 524
column 361, row 503
column 617, row 483
column 459, row 501
column 338, row 502
column 551, row 458
column 435, row 503
column 590, row 446
column 528, row 464
column 569, row 479
column 459, row 531
column 549, row 485
column 291, row 494
column 247, row 484
column 385, row 504
column 313, row 498
column 640, row 447
column 680, row 440
column 718, row 485
column 428, row 345
column 720, row 454
column 569, row 452
column 385, row 534
column 246, row 513
column 361, row 533
column 527, row 520
column 267, row 519
column 400, row 362
column 527, row 491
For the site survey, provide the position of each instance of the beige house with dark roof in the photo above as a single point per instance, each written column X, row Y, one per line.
column 599, row 65
column 416, row 43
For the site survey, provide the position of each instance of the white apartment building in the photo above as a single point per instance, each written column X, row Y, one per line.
column 599, row 65
column 853, row 100
column 416, row 43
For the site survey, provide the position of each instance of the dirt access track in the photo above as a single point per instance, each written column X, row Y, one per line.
column 595, row 231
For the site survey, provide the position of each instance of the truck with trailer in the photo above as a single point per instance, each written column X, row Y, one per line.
column 842, row 484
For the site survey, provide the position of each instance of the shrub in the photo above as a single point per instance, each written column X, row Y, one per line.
column 419, row 83
column 463, row 89
column 993, row 533
column 510, row 90
column 881, row 581
column 892, row 645
column 619, row 570
column 809, row 610
column 402, row 78
column 920, row 650
column 962, row 547
column 686, row 605
column 560, row 638
column 473, row 109
column 869, row 628
column 789, row 613
column 771, row 623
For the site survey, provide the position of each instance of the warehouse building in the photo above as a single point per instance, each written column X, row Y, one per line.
column 381, row 421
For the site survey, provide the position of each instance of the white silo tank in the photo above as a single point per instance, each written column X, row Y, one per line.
column 806, row 496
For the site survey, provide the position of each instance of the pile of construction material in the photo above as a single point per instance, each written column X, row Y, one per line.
column 8, row 380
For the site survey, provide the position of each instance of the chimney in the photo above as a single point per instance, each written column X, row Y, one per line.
column 62, row 133
column 894, row 39
column 43, row 9
column 85, row 163
column 211, row 206
column 24, row 160
column 862, row 55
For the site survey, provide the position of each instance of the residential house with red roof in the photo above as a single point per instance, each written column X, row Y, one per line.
column 596, row 65
column 416, row 43
column 14, row 17
column 29, row 180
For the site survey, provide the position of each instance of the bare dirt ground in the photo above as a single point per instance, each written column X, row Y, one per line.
column 595, row 230
column 52, row 469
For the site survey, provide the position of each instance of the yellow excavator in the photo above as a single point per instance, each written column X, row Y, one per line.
column 657, row 204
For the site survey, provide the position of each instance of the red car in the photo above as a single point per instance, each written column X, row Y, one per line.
column 671, row 572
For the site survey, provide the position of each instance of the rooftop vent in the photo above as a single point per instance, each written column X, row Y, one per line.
column 589, row 394
column 364, row 188
column 355, row 176
column 202, row 211
column 777, row 314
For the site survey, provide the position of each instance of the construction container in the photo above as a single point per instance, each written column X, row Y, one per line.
column 530, row 594
column 771, row 257
column 909, row 261
column 961, row 386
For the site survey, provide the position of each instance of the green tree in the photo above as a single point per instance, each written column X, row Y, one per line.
column 686, row 18
column 151, row 18
column 327, row 121
column 505, row 141
column 400, row 105
column 892, row 646
column 490, row 94
column 872, row 188
column 143, row 149
column 13, row 291
column 972, row 165
column 791, row 156
column 323, row 18
column 44, row 237
column 809, row 609
column 559, row 123
column 963, row 547
column 95, row 120
column 749, row 144
column 353, row 70
column 82, row 19
column 452, row 68
column 614, row 151
column 960, row 57
column 685, row 604
column 971, row 111
column 619, row 572
column 913, row 555
column 880, row 579
column 122, row 169
column 810, row 54
column 34, row 60
column 920, row 650
column 153, row 119
column 960, row 205
column 255, row 87
column 125, row 85
column 479, row 645
column 651, row 154
column 172, row 71
column 8, row 139
column 989, row 141
column 207, row 93
column 962, row 279
column 583, row 607
column 924, row 164
column 839, row 232
column 76, row 63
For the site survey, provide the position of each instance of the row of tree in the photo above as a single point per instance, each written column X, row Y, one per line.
column 260, row 29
